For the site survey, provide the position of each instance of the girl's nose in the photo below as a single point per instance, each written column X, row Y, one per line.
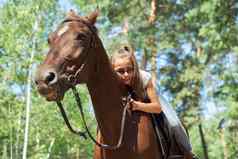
column 126, row 73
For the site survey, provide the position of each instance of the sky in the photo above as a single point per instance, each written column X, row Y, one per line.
column 2, row 2
column 66, row 5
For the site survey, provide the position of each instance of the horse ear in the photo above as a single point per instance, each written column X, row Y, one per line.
column 92, row 18
column 71, row 14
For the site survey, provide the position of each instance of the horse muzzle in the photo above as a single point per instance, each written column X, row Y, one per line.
column 48, row 84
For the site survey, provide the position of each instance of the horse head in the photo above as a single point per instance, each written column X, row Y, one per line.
column 67, row 61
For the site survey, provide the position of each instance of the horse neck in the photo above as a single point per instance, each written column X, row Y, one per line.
column 106, row 94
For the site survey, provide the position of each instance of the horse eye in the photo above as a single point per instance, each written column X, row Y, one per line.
column 68, row 57
column 80, row 36
column 48, row 40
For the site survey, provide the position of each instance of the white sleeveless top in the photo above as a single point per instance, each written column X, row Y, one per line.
column 146, row 77
column 165, row 106
column 172, row 117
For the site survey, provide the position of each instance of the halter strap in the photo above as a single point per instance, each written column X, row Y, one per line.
column 73, row 77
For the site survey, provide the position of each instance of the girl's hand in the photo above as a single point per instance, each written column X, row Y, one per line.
column 134, row 105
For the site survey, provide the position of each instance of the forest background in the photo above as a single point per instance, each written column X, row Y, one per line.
column 191, row 48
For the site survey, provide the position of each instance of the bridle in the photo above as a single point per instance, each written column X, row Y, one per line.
column 72, row 81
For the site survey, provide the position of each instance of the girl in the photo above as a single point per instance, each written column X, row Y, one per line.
column 145, row 98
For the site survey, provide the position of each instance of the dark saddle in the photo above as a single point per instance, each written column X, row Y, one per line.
column 170, row 142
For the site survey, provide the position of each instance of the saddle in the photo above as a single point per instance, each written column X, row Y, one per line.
column 170, row 146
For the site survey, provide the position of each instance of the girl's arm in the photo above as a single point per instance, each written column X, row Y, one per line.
column 153, row 106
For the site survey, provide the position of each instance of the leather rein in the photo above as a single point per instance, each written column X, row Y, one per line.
column 81, row 133
column 72, row 80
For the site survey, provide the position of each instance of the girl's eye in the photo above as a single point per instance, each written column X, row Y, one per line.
column 124, row 70
column 121, row 71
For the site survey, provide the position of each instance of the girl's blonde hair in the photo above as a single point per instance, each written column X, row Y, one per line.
column 126, row 51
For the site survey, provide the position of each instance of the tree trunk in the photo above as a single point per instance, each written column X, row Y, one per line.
column 28, row 94
column 144, row 60
column 4, row 153
column 77, row 153
column 153, row 48
column 11, row 133
column 17, row 138
column 225, row 151
column 50, row 148
column 154, row 8
column 204, row 145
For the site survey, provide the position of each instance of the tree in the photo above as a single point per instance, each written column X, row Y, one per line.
column 18, row 41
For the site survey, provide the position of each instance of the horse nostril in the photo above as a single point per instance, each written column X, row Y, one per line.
column 36, row 82
column 50, row 78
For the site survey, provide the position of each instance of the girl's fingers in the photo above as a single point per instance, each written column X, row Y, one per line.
column 131, row 100
column 133, row 105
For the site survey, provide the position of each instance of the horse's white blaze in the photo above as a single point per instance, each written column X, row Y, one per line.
column 63, row 30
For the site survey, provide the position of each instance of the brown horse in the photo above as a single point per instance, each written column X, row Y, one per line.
column 77, row 51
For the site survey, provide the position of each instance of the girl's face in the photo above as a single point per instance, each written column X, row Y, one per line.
column 124, row 69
